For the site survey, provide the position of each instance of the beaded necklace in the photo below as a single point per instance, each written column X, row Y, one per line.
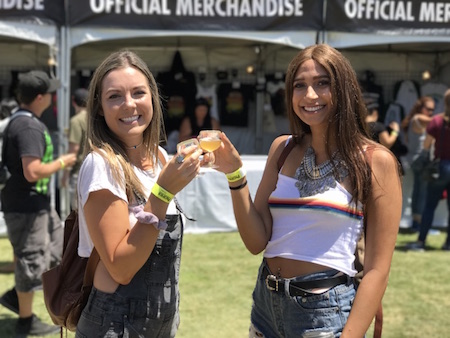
column 314, row 179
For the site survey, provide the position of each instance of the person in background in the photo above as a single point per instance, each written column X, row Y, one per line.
column 77, row 135
column 438, row 133
column 34, row 228
column 126, row 206
column 308, row 216
column 201, row 120
column 414, row 127
column 377, row 130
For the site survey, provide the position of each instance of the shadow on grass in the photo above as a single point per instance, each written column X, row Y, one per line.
column 7, row 326
column 404, row 248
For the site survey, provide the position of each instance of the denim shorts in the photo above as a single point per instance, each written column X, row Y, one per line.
column 37, row 240
column 277, row 314
column 146, row 307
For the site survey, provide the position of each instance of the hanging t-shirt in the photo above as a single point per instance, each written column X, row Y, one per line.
column 178, row 88
column 406, row 94
column 275, row 86
column 234, row 101
column 178, row 91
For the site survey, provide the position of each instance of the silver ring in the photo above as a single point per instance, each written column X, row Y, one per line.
column 179, row 159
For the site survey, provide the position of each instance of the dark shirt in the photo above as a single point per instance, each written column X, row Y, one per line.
column 26, row 137
column 442, row 137
column 234, row 103
column 375, row 129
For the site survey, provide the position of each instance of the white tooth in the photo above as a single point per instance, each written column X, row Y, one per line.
column 130, row 119
column 315, row 108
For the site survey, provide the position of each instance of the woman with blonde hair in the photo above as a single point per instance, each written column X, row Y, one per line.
column 126, row 206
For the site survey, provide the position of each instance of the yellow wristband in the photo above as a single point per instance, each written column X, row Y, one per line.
column 63, row 164
column 162, row 193
column 395, row 132
column 236, row 175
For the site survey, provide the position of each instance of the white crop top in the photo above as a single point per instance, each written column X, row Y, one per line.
column 95, row 174
column 321, row 229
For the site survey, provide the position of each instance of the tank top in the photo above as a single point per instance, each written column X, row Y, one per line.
column 415, row 141
column 322, row 229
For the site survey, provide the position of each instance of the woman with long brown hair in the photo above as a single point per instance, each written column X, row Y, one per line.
column 307, row 217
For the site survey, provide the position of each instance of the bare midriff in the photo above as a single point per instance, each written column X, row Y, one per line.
column 103, row 280
column 289, row 268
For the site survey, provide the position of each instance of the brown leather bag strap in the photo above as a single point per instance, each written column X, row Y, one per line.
column 378, row 327
column 91, row 265
column 284, row 154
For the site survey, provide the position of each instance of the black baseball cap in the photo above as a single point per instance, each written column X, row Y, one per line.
column 36, row 82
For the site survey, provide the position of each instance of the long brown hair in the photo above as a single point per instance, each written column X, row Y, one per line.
column 100, row 139
column 347, row 122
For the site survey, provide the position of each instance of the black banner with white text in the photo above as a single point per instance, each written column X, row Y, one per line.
column 369, row 16
column 203, row 15
column 52, row 10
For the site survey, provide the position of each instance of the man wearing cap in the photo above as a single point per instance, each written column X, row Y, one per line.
column 77, row 134
column 34, row 228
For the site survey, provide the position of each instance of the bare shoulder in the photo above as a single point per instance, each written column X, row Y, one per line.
column 277, row 148
column 382, row 161
column 279, row 143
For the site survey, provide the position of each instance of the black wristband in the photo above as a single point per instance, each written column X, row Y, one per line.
column 239, row 187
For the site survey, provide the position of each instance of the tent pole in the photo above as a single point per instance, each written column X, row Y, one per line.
column 63, row 112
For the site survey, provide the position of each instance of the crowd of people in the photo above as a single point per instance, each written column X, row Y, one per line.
column 437, row 138
column 326, row 188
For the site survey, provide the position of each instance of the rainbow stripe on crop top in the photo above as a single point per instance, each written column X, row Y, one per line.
column 322, row 229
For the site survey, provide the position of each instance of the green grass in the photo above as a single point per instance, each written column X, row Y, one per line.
column 218, row 275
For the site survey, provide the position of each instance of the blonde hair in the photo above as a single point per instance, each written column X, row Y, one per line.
column 102, row 140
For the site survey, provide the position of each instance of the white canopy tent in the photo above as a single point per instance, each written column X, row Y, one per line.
column 406, row 37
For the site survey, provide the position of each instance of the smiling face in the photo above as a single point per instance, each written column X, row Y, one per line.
column 311, row 95
column 126, row 103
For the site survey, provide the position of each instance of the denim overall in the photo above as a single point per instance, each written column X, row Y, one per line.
column 149, row 305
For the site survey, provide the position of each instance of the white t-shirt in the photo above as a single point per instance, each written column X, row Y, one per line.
column 96, row 174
